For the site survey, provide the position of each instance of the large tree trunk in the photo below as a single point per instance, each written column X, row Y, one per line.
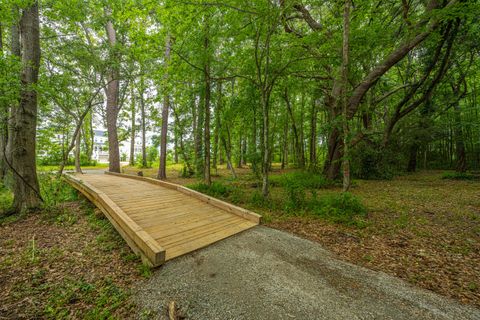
column 3, row 126
column 162, row 170
column 26, row 189
column 332, row 164
column 16, row 51
column 112, row 93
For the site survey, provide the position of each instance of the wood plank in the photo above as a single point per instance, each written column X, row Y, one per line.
column 198, row 232
column 124, row 225
column 205, row 241
column 213, row 201
column 152, row 213
column 164, row 234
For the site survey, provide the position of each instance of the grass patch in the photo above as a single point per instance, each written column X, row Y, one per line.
column 103, row 297
column 459, row 176
column 344, row 208
column 47, row 168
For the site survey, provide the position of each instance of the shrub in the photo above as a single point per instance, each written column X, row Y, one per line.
column 186, row 173
column 307, row 179
column 55, row 190
column 297, row 184
column 459, row 176
column 372, row 162
column 216, row 189
column 342, row 208
column 295, row 189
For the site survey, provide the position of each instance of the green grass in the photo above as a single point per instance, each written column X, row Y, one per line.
column 459, row 176
column 103, row 297
column 43, row 168
column 216, row 189
column 344, row 208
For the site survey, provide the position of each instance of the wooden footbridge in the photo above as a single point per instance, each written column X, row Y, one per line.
column 161, row 220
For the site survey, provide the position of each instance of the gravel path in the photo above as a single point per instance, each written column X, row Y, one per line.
column 264, row 273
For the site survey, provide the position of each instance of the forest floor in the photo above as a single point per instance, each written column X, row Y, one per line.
column 64, row 262
column 419, row 227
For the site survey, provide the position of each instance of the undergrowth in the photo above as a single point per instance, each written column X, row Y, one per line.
column 216, row 189
column 459, row 176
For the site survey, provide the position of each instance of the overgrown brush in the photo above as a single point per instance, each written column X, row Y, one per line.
column 344, row 208
column 459, row 176
column 216, row 189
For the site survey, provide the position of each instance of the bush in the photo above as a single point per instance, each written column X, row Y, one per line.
column 308, row 180
column 186, row 173
column 372, row 162
column 342, row 208
column 296, row 184
column 216, row 189
column 55, row 190
column 459, row 176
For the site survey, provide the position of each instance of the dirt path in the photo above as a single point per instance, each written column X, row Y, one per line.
column 268, row 274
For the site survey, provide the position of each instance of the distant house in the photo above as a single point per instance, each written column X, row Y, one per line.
column 100, row 145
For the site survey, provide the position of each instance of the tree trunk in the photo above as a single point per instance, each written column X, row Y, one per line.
column 313, row 136
column 175, row 143
column 332, row 164
column 298, row 147
column 78, row 140
column 345, row 56
column 132, row 138
column 162, row 171
column 206, row 171
column 265, row 144
column 285, row 144
column 16, row 51
column 461, row 165
column 228, row 154
column 412, row 162
column 3, row 126
column 143, row 123
column 26, row 189
column 112, row 93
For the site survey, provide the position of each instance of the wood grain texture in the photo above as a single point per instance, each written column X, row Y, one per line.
column 161, row 220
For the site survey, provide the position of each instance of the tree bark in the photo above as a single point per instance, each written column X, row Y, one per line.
column 112, row 93
column 143, row 123
column 412, row 160
column 461, row 163
column 266, row 143
column 313, row 135
column 16, row 51
column 345, row 58
column 206, row 172
column 26, row 189
column 162, row 171
column 78, row 140
column 298, row 147
column 3, row 125
column 132, row 138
